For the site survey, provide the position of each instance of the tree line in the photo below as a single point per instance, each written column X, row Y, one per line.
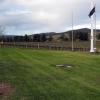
column 25, row 38
column 80, row 36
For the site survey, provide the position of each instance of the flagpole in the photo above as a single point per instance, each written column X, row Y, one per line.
column 92, row 32
column 72, row 33
column 95, row 29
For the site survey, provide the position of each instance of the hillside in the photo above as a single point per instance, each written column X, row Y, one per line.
column 78, row 33
column 83, row 30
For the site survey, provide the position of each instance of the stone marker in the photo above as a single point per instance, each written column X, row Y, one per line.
column 64, row 66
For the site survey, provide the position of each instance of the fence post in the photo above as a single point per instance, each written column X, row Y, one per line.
column 38, row 46
column 26, row 45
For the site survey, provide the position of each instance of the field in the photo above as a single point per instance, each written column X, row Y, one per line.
column 33, row 75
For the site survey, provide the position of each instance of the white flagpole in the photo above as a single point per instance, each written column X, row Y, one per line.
column 72, row 33
column 92, row 32
column 95, row 29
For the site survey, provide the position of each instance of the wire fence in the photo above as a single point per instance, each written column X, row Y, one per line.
column 83, row 46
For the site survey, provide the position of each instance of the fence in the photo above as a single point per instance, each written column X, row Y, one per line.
column 41, row 45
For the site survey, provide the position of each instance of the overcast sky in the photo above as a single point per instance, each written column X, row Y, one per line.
column 34, row 16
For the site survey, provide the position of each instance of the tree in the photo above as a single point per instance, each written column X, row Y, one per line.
column 63, row 37
column 43, row 37
column 98, row 36
column 26, row 38
column 36, row 38
column 50, row 38
column 83, row 36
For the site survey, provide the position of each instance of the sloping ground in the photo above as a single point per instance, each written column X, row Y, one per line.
column 33, row 75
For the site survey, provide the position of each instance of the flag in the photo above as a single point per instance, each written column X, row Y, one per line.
column 92, row 12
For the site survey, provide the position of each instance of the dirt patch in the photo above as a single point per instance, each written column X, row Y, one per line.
column 5, row 90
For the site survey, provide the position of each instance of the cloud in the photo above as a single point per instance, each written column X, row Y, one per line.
column 21, row 16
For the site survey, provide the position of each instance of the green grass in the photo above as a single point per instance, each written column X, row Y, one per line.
column 34, row 76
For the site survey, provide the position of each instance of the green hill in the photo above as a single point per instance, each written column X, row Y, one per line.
column 33, row 75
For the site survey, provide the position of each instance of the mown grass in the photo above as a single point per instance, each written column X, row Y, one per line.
column 34, row 76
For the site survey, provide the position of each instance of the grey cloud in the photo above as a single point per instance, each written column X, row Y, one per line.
column 45, row 15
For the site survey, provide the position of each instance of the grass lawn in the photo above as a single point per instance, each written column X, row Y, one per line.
column 34, row 76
